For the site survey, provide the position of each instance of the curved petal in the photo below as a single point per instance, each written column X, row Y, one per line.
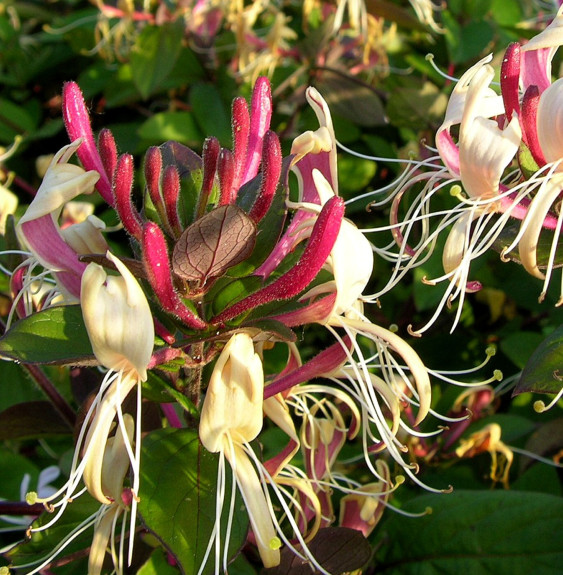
column 550, row 122
column 484, row 149
column 532, row 224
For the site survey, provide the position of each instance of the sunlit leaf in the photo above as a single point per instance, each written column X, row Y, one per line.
column 157, row 565
column 178, row 497
column 56, row 335
column 179, row 126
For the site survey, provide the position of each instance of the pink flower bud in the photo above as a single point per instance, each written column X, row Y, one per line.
column 77, row 123
column 157, row 266
column 122, row 190
column 171, row 193
column 271, row 171
column 323, row 235
column 226, row 172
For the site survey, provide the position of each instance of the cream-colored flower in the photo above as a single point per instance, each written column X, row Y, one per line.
column 231, row 417
column 118, row 319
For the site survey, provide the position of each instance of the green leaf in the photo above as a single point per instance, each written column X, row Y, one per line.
column 210, row 112
column 43, row 544
column 350, row 99
column 154, row 55
column 519, row 345
column 468, row 40
column 157, row 565
column 158, row 389
column 178, row 497
column 543, row 249
column 544, row 371
column 14, row 120
column 179, row 126
column 507, row 12
column 477, row 532
column 416, row 105
column 56, row 335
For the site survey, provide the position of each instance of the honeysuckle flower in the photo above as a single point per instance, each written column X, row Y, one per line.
column 362, row 509
column 120, row 327
column 503, row 167
column 350, row 263
column 39, row 232
column 488, row 439
column 231, row 417
column 114, row 469
column 105, row 520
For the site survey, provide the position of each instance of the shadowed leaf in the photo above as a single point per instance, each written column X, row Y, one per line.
column 477, row 532
column 544, row 371
column 31, row 419
column 339, row 550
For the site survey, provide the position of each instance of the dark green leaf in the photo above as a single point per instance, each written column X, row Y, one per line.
column 519, row 345
column 154, row 55
column 544, row 371
column 56, row 335
column 178, row 497
column 477, row 532
column 30, row 420
column 14, row 121
column 543, row 249
column 158, row 389
column 42, row 544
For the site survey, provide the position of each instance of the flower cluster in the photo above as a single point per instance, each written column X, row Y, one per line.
column 220, row 278
column 499, row 155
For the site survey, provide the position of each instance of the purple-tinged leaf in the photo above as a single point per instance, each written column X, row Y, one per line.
column 338, row 549
column 222, row 238
column 32, row 419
